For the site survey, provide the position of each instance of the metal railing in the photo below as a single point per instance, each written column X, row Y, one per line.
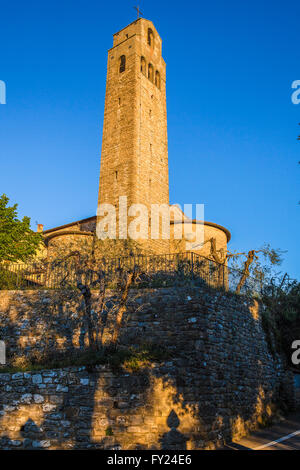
column 155, row 270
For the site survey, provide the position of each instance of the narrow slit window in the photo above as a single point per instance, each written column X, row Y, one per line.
column 157, row 79
column 122, row 65
column 143, row 65
column 150, row 38
column 150, row 72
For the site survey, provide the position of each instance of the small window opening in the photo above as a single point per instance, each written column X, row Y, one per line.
column 150, row 72
column 122, row 64
column 150, row 38
column 157, row 79
column 143, row 65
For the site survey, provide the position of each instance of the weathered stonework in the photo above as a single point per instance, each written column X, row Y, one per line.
column 134, row 157
column 220, row 380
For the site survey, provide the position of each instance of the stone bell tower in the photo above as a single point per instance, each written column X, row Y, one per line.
column 134, row 159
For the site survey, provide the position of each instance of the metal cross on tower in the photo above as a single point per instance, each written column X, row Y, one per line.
column 139, row 13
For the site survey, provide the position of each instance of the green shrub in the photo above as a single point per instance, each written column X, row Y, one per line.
column 133, row 359
column 109, row 431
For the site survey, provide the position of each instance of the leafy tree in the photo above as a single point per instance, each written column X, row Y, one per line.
column 281, row 316
column 17, row 241
column 258, row 263
column 88, row 276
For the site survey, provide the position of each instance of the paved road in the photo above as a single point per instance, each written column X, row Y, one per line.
column 283, row 436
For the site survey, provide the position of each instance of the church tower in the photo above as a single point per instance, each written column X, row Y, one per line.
column 134, row 158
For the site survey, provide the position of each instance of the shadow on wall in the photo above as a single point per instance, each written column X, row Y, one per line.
column 173, row 439
column 219, row 382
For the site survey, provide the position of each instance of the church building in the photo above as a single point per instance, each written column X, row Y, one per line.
column 134, row 158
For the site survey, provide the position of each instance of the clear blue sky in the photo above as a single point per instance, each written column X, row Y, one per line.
column 231, row 124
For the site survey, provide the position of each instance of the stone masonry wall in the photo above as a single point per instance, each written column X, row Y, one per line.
column 219, row 382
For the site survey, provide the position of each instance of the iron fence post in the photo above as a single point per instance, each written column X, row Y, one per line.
column 192, row 264
column 223, row 276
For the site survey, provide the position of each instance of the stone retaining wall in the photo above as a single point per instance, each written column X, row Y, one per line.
column 220, row 381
